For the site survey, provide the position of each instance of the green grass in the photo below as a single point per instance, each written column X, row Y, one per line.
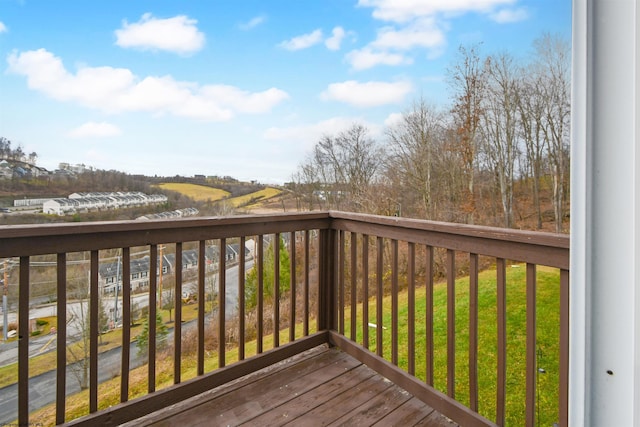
column 547, row 309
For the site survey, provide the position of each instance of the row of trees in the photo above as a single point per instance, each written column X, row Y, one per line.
column 503, row 138
column 7, row 152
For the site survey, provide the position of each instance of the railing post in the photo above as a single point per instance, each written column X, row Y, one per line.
column 327, row 280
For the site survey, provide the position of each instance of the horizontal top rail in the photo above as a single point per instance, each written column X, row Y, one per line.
column 536, row 247
column 41, row 239
column 549, row 249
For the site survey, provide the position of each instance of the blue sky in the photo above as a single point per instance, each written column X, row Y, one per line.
column 239, row 88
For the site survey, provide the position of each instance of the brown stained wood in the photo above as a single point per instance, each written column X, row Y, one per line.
column 138, row 408
column 341, row 284
column 365, row 290
column 394, row 302
column 61, row 338
column 241, row 298
column 201, row 299
column 177, row 329
column 373, row 409
column 379, row 294
column 292, row 286
column 298, row 408
column 502, row 340
column 307, row 270
column 222, row 291
column 344, row 402
column 276, row 290
column 409, row 413
column 153, row 310
column 532, row 246
column 126, row 324
column 531, row 365
column 435, row 419
column 260, row 305
column 354, row 283
column 451, row 323
column 535, row 247
column 44, row 239
column 266, row 392
column 432, row 397
column 429, row 314
column 411, row 320
column 318, row 387
column 23, row 342
column 473, row 331
column 93, row 333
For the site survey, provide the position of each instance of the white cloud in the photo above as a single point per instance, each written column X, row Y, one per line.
column 506, row 16
column 368, row 94
column 334, row 42
column 117, row 90
column 309, row 134
column 3, row 28
column 362, row 59
column 95, row 130
column 178, row 34
column 407, row 10
column 304, row 41
column 252, row 23
column 393, row 119
column 422, row 33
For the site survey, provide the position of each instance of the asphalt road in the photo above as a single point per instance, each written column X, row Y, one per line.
column 42, row 387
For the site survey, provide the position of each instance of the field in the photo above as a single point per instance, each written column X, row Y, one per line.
column 199, row 193
column 251, row 199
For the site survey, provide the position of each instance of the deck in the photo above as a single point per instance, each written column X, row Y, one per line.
column 322, row 386
column 351, row 271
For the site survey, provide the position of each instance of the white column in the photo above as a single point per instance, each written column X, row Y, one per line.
column 605, row 216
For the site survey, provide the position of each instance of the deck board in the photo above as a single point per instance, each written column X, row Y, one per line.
column 323, row 386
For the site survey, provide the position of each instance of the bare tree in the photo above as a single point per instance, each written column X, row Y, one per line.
column 553, row 60
column 343, row 167
column 531, row 110
column 467, row 81
column 500, row 128
column 413, row 142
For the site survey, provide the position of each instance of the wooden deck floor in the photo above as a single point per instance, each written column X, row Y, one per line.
column 323, row 386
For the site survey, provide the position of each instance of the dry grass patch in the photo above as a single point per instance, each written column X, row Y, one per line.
column 255, row 198
column 200, row 193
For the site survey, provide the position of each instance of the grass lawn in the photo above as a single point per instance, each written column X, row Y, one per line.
column 548, row 334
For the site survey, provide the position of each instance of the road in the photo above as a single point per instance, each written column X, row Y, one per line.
column 42, row 387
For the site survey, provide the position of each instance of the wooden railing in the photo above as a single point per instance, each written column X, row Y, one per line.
column 332, row 283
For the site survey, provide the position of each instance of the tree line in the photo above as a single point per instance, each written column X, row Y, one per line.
column 503, row 139
column 7, row 152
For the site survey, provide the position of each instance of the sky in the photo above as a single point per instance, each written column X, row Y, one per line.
column 234, row 88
